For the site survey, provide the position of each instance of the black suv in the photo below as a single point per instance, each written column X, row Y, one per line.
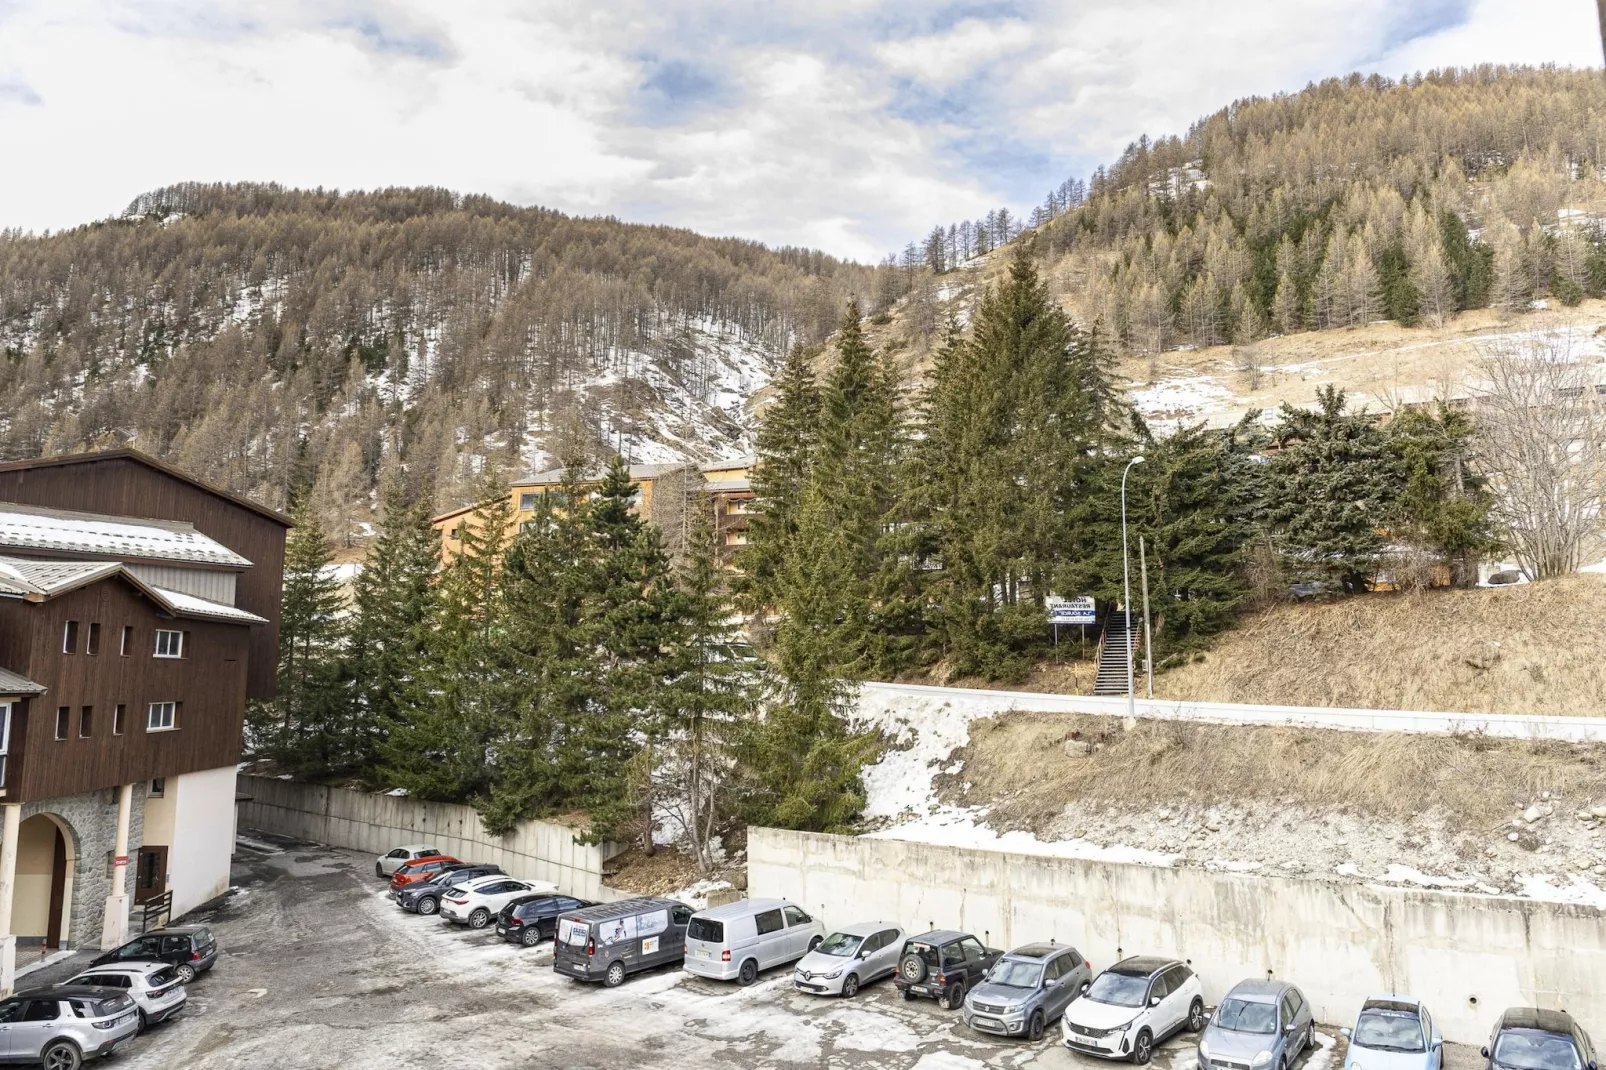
column 1527, row 1038
column 189, row 949
column 529, row 919
column 943, row 965
column 424, row 897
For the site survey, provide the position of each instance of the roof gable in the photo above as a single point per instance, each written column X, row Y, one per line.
column 152, row 463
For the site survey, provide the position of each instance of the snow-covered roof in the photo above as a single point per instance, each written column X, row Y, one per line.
column 39, row 579
column 746, row 460
column 728, row 486
column 29, row 527
column 12, row 684
column 188, row 605
column 638, row 472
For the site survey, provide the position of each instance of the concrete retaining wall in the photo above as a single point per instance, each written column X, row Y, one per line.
column 537, row 850
column 1505, row 725
column 1467, row 956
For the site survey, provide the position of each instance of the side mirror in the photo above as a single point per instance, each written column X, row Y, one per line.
column 1483, row 1052
column 1346, row 1032
column 1592, row 1065
column 1154, row 1001
column 1438, row 1042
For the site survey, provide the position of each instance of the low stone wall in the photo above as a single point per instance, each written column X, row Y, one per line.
column 1467, row 956
column 537, row 850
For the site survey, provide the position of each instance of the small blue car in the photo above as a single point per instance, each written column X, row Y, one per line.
column 1394, row 1033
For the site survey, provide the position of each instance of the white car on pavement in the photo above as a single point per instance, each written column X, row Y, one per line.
column 387, row 863
column 154, row 987
column 852, row 956
column 476, row 902
column 1132, row 1007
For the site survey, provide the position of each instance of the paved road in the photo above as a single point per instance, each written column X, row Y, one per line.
column 319, row 970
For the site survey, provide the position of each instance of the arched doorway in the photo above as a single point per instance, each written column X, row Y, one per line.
column 42, row 908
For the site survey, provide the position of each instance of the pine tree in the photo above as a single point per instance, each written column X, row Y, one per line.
column 393, row 609
column 788, row 437
column 307, row 728
column 1332, row 492
column 1444, row 504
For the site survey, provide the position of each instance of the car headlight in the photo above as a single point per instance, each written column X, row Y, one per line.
column 833, row 975
column 1204, row 1050
column 1353, row 1066
column 1261, row 1058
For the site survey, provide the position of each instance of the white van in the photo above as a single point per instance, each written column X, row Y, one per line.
column 735, row 941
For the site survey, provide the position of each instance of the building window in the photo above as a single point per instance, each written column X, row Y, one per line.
column 86, row 722
column 162, row 717
column 69, row 638
column 158, row 788
column 169, row 644
column 452, row 534
column 119, row 719
column 63, row 714
column 527, row 500
column 5, row 739
column 128, row 640
column 92, row 645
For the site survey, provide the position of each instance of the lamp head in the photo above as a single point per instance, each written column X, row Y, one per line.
column 1136, row 460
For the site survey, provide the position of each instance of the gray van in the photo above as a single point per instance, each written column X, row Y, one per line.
column 611, row 940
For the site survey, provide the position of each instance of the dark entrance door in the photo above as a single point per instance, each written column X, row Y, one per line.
column 58, row 888
column 150, row 879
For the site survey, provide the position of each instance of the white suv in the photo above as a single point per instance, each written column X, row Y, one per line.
column 476, row 902
column 1132, row 1007
column 154, row 987
column 394, row 859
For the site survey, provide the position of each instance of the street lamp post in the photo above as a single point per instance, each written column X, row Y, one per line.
column 1126, row 579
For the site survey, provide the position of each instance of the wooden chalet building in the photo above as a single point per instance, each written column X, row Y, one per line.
column 139, row 610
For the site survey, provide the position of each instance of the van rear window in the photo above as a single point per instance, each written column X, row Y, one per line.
column 706, row 930
column 574, row 933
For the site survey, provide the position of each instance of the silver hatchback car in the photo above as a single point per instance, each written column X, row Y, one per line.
column 62, row 1026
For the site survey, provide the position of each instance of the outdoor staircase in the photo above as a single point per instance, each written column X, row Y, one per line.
column 1111, row 679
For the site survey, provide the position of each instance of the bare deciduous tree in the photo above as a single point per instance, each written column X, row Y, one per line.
column 1540, row 428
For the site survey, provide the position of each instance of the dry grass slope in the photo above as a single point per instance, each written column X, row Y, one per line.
column 1536, row 648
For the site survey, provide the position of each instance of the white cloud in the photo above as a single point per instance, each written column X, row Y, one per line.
column 849, row 124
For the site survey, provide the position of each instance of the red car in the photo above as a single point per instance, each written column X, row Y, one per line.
column 419, row 869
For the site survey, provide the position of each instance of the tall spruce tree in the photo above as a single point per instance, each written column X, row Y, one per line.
column 307, row 727
column 393, row 609
column 786, row 443
column 1444, row 503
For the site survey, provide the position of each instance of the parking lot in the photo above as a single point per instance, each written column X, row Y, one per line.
column 320, row 969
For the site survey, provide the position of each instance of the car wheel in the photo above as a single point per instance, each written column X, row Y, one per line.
column 1196, row 1016
column 531, row 937
column 144, row 1022
column 379, row 871
column 62, row 1055
column 850, row 986
column 428, row 905
column 1143, row 1048
column 1035, row 1029
column 748, row 973
column 186, row 972
column 479, row 919
column 1310, row 1036
column 954, row 997
column 615, row 975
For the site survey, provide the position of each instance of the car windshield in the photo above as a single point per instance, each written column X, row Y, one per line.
column 1536, row 1051
column 840, row 945
column 1241, row 1016
column 1119, row 989
column 1016, row 974
column 1383, row 1031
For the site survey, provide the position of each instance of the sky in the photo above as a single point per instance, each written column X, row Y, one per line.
column 847, row 125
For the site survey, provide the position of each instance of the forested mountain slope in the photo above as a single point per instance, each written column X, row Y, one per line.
column 272, row 339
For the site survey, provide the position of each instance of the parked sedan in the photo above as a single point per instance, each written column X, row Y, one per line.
column 1027, row 990
column 420, row 869
column 189, row 949
column 1132, row 1007
column 153, row 986
column 387, row 863
column 62, row 1026
column 529, row 919
column 1260, row 1024
column 424, row 897
column 1394, row 1033
column 851, row 957
column 1526, row 1038
column 476, row 902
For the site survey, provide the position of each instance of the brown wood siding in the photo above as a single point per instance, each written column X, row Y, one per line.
column 210, row 682
column 123, row 486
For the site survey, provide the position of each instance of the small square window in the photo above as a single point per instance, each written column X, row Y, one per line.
column 86, row 722
column 527, row 501
column 92, row 646
column 169, row 644
column 69, row 638
column 161, row 717
column 63, row 716
column 158, row 788
column 119, row 719
column 452, row 534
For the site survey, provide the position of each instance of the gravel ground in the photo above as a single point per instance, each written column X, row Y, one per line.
column 319, row 969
